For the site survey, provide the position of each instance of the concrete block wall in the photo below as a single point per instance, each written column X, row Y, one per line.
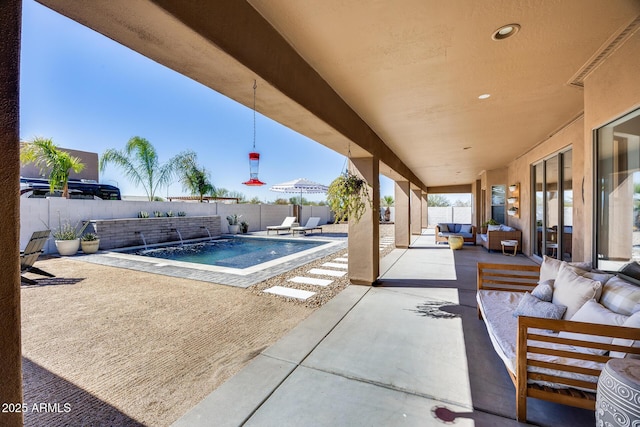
column 40, row 214
column 120, row 233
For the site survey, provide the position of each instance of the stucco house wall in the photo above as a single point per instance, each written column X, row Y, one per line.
column 610, row 91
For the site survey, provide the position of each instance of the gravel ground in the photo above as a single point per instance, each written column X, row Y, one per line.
column 323, row 293
column 129, row 348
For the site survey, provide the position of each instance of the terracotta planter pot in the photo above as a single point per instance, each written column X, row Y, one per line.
column 68, row 247
column 90, row 246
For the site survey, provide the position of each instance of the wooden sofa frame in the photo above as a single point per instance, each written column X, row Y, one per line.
column 520, row 278
column 494, row 238
column 471, row 239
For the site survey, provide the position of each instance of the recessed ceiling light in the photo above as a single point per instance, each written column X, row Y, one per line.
column 484, row 96
column 505, row 31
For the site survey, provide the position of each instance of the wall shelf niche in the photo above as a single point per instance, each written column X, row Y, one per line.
column 513, row 200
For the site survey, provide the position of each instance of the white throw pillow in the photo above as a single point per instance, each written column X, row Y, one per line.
column 550, row 267
column 632, row 321
column 572, row 290
column 592, row 312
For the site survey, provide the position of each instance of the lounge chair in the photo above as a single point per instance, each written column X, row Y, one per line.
column 30, row 255
column 312, row 224
column 285, row 226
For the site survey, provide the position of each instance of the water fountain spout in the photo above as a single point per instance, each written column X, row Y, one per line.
column 179, row 235
column 208, row 232
column 144, row 241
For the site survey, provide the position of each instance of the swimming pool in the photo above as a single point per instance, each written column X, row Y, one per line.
column 235, row 252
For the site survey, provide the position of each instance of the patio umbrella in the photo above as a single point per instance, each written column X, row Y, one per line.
column 300, row 185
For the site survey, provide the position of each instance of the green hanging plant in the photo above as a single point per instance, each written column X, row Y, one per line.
column 348, row 196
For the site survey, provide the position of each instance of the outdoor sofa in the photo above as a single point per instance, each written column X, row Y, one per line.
column 444, row 230
column 496, row 234
column 556, row 350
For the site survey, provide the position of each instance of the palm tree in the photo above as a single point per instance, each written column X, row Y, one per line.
column 43, row 153
column 387, row 201
column 195, row 179
column 139, row 161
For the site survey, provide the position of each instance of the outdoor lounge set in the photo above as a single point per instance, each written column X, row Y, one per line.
column 446, row 230
column 556, row 326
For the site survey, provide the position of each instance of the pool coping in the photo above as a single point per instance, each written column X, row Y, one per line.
column 242, row 278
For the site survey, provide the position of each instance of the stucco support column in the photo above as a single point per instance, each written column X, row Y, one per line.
column 364, row 235
column 403, row 214
column 10, row 345
column 415, row 204
column 425, row 210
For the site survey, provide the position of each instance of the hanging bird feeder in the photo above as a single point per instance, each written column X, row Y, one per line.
column 254, row 156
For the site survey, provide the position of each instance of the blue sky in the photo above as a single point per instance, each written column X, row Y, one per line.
column 87, row 92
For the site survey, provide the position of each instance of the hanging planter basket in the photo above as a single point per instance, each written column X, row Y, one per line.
column 348, row 197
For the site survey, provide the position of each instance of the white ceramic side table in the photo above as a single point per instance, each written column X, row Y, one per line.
column 618, row 394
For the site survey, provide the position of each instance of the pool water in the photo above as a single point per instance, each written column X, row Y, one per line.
column 235, row 252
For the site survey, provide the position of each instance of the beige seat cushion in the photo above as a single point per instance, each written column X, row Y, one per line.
column 632, row 322
column 592, row 312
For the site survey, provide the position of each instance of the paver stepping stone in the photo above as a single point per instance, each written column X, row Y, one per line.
column 289, row 292
column 342, row 259
column 323, row 272
column 311, row 281
column 335, row 265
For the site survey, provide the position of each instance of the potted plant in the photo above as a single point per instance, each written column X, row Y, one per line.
column 244, row 227
column 234, row 227
column 512, row 211
column 348, row 196
column 89, row 242
column 67, row 239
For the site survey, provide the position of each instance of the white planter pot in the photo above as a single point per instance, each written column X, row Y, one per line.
column 67, row 247
column 90, row 246
column 234, row 229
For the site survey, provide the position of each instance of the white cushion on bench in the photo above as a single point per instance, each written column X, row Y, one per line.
column 497, row 308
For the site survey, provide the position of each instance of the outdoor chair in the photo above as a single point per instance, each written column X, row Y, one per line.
column 30, row 255
column 312, row 224
column 285, row 226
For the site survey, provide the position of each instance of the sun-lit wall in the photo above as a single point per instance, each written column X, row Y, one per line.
column 610, row 91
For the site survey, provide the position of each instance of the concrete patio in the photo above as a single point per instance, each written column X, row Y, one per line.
column 410, row 351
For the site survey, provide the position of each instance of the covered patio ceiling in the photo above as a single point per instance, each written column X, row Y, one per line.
column 401, row 79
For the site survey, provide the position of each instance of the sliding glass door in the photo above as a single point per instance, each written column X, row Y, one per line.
column 553, row 206
column 618, row 193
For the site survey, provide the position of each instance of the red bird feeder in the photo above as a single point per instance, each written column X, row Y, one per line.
column 254, row 157
column 254, row 162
